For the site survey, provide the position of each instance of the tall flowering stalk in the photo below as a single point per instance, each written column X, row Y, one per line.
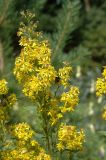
column 49, row 88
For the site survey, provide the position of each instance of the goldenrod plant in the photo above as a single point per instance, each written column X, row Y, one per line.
column 71, row 30
column 52, row 93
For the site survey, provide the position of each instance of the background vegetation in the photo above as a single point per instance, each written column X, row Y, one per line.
column 76, row 30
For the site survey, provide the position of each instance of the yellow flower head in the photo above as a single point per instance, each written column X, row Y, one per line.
column 11, row 100
column 104, row 114
column 101, row 84
column 33, row 67
column 70, row 99
column 43, row 156
column 3, row 87
column 69, row 138
column 23, row 131
column 64, row 75
column 104, row 72
column 3, row 114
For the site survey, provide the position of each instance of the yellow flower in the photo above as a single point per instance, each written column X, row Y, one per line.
column 23, row 131
column 3, row 114
column 101, row 84
column 54, row 115
column 34, row 143
column 70, row 99
column 104, row 114
column 69, row 138
column 43, row 156
column 104, row 72
column 32, row 87
column 64, row 75
column 11, row 100
column 46, row 76
column 3, row 87
column 33, row 67
column 60, row 146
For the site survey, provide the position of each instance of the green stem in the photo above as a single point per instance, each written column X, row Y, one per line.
column 61, row 155
column 70, row 155
column 47, row 138
column 3, row 132
column 46, row 131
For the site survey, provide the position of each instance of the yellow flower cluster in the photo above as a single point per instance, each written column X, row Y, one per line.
column 3, row 114
column 101, row 88
column 65, row 103
column 69, row 138
column 25, row 153
column 64, row 74
column 104, row 72
column 23, row 131
column 25, row 147
column 43, row 156
column 34, row 70
column 104, row 114
column 11, row 99
column 5, row 100
column 54, row 112
column 33, row 67
column 101, row 84
column 3, row 87
column 70, row 99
